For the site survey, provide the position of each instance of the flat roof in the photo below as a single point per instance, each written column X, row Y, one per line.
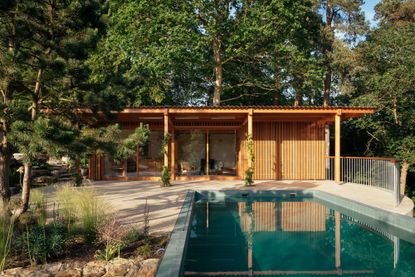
column 295, row 113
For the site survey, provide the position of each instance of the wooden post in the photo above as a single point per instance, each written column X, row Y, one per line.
column 173, row 153
column 166, row 131
column 337, row 121
column 250, row 127
column 207, row 154
column 337, row 235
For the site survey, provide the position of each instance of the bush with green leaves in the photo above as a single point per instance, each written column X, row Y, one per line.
column 145, row 250
column 41, row 242
column 165, row 176
column 248, row 178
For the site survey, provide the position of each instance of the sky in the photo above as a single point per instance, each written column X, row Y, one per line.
column 369, row 9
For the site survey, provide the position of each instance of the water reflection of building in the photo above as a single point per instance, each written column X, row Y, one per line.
column 285, row 216
column 285, row 226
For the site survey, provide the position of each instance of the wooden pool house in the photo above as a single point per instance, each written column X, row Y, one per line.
column 210, row 143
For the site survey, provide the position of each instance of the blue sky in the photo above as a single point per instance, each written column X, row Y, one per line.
column 369, row 9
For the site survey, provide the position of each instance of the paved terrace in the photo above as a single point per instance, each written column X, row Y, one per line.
column 128, row 198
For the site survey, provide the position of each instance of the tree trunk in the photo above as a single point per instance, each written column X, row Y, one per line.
column 327, row 88
column 217, row 70
column 276, row 96
column 404, row 172
column 327, row 77
column 24, row 205
column 5, row 158
column 298, row 99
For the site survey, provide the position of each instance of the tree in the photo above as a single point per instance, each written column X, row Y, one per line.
column 342, row 19
column 387, row 81
column 46, row 42
column 200, row 51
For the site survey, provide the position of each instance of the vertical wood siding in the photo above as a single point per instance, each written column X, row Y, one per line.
column 288, row 151
column 96, row 168
column 294, row 217
column 263, row 218
column 303, row 216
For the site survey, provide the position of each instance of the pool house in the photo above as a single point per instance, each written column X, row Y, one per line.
column 210, row 143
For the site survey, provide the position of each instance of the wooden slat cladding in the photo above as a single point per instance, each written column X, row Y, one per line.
column 288, row 150
column 303, row 216
column 263, row 217
column 95, row 168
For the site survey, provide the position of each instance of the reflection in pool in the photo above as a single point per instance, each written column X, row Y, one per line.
column 273, row 237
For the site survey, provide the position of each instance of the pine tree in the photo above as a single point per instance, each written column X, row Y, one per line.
column 54, row 39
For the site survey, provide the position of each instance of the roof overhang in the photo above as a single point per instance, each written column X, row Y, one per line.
column 236, row 113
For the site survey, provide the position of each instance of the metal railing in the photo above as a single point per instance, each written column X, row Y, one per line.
column 382, row 173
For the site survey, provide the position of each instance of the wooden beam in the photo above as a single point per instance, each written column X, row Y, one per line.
column 166, row 131
column 337, row 134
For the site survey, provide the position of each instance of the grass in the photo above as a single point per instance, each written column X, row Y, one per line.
column 81, row 207
column 6, row 234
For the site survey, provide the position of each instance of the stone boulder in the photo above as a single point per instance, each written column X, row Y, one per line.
column 94, row 269
column 118, row 267
column 148, row 268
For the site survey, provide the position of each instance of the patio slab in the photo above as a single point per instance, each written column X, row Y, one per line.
column 128, row 199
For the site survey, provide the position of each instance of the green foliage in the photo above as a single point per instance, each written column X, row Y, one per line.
column 128, row 146
column 165, row 143
column 41, row 242
column 133, row 235
column 165, row 176
column 145, row 250
column 248, row 177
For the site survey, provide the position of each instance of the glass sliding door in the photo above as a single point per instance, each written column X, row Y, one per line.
column 191, row 153
column 222, row 153
column 150, row 159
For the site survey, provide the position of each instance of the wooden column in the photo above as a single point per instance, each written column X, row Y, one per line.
column 337, row 121
column 337, row 235
column 250, row 133
column 207, row 153
column 166, row 131
column 173, row 155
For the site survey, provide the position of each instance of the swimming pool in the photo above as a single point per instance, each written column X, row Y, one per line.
column 292, row 233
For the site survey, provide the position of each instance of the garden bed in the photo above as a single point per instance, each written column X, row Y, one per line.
column 84, row 238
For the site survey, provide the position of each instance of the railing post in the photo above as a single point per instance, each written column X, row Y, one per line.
column 396, row 183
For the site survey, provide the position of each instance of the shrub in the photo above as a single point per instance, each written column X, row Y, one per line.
column 111, row 234
column 83, row 208
column 6, row 234
column 145, row 250
column 133, row 235
column 249, row 177
column 40, row 242
column 165, row 176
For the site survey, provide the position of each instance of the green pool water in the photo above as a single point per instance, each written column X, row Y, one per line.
column 290, row 237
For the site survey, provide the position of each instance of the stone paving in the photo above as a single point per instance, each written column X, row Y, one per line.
column 128, row 198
